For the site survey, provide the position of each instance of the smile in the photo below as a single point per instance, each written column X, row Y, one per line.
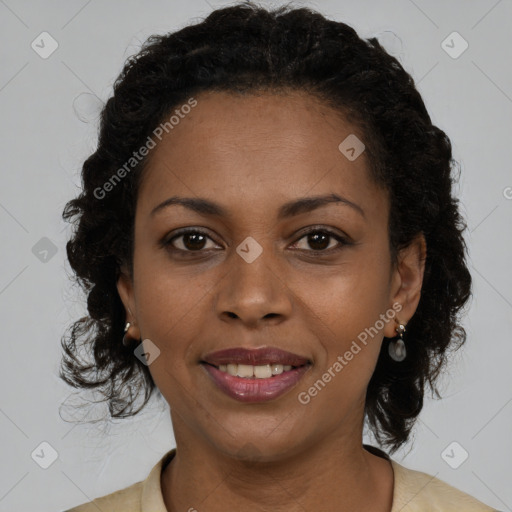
column 255, row 375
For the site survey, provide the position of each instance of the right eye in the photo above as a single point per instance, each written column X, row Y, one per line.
column 191, row 240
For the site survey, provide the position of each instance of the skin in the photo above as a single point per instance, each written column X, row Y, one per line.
column 251, row 154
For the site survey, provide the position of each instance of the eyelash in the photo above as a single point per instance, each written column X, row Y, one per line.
column 167, row 243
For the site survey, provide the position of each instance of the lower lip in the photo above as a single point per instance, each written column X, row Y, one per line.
column 252, row 390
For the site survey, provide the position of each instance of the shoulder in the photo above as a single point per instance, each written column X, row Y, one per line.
column 143, row 496
column 415, row 491
column 127, row 500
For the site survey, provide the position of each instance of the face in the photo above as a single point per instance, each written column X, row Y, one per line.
column 307, row 279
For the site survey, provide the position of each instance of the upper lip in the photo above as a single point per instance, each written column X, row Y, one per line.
column 255, row 357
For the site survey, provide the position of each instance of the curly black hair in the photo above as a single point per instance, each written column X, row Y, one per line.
column 249, row 49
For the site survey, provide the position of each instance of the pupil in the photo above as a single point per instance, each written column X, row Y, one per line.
column 314, row 239
column 198, row 244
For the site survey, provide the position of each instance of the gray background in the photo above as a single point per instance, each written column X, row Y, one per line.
column 49, row 109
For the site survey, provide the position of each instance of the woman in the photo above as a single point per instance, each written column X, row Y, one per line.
column 268, row 237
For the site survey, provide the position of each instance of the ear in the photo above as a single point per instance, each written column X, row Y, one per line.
column 125, row 289
column 407, row 280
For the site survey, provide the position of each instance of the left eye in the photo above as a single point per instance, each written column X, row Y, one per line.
column 319, row 240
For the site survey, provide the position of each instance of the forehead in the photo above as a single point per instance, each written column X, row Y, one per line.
column 265, row 147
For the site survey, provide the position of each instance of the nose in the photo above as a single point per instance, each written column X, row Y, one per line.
column 254, row 293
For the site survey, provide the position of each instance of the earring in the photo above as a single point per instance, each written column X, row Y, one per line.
column 126, row 341
column 396, row 347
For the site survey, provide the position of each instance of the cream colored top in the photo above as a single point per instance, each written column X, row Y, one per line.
column 413, row 491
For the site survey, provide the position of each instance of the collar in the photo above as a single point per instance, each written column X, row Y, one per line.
column 151, row 498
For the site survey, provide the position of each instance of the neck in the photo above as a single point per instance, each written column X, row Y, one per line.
column 337, row 474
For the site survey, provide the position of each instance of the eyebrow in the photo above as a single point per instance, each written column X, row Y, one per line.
column 290, row 209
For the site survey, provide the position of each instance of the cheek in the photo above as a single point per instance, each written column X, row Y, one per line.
column 169, row 298
column 346, row 307
column 345, row 315
column 350, row 298
column 170, row 307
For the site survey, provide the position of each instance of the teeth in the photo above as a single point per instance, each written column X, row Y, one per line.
column 262, row 372
column 277, row 369
column 249, row 371
column 245, row 370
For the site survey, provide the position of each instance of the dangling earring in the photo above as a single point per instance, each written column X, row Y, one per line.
column 126, row 340
column 396, row 347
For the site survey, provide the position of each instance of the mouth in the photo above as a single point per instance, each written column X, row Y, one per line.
column 255, row 375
